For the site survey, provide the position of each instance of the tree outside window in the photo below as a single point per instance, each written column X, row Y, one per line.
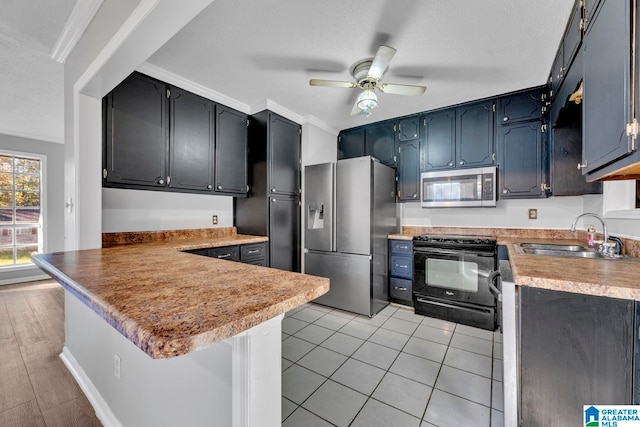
column 20, row 209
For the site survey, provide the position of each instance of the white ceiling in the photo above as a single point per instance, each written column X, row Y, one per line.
column 461, row 50
column 254, row 50
column 31, row 83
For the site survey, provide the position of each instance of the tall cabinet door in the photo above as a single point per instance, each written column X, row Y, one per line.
column 231, row 151
column 191, row 142
column 606, row 108
column 474, row 134
column 439, row 143
column 520, row 148
column 284, row 155
column 284, row 233
column 409, row 171
column 351, row 143
column 136, row 133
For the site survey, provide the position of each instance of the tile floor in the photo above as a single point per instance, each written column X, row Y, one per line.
column 395, row 369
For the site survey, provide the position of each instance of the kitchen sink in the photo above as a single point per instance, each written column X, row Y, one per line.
column 553, row 247
column 559, row 250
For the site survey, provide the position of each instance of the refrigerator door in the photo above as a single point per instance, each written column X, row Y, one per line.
column 319, row 190
column 350, row 275
column 353, row 205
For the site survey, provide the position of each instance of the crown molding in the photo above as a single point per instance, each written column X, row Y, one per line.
column 78, row 21
column 191, row 86
column 268, row 104
column 39, row 137
column 313, row 120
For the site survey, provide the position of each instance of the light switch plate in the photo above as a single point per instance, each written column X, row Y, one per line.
column 214, row 219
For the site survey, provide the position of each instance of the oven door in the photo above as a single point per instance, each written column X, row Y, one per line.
column 459, row 275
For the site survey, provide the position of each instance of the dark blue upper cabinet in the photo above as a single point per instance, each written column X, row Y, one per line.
column 438, row 149
column 284, row 152
column 136, row 133
column 380, row 142
column 520, row 150
column 590, row 7
column 409, row 171
column 520, row 107
column 351, row 143
column 474, row 134
column 606, row 112
column 191, row 141
column 409, row 129
column 231, row 165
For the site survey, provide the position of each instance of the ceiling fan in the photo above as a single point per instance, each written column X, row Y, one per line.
column 367, row 75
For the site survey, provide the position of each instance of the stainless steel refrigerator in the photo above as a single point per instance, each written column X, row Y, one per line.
column 350, row 210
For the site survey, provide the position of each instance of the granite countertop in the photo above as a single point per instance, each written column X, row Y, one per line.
column 601, row 277
column 170, row 303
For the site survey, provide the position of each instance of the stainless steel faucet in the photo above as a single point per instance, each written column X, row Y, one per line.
column 599, row 218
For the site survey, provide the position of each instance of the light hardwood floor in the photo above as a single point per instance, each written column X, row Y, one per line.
column 36, row 389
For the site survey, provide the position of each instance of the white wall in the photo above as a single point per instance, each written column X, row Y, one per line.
column 554, row 212
column 623, row 219
column 54, row 222
column 137, row 210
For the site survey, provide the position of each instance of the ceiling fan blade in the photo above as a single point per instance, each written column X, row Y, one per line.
column 397, row 89
column 381, row 62
column 331, row 83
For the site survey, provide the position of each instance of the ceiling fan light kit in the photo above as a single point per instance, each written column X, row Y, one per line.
column 367, row 74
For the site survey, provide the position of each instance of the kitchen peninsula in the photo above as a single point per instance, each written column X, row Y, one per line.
column 155, row 336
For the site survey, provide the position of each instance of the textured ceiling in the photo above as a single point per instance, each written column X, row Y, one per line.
column 254, row 50
column 31, row 87
column 461, row 50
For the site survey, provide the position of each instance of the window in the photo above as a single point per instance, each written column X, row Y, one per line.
column 21, row 213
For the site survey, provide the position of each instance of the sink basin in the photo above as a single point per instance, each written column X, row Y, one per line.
column 574, row 253
column 553, row 247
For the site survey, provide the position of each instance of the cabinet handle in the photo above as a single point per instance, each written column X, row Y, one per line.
column 273, row 200
column 505, row 119
column 219, row 187
column 415, row 195
column 461, row 162
column 224, row 256
column 273, row 190
column 505, row 191
column 400, row 289
column 209, row 186
column 254, row 251
column 450, row 164
column 581, row 166
column 161, row 181
column 247, row 189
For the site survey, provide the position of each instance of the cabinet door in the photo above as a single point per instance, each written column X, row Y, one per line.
column 231, row 151
column 380, row 142
column 606, row 108
column 566, row 179
column 520, row 165
column 520, row 107
column 351, row 143
column 409, row 129
column 557, row 71
column 572, row 37
column 573, row 349
column 409, row 171
column 590, row 7
column 284, row 234
column 191, row 142
column 474, row 135
column 284, row 155
column 439, row 143
column 136, row 137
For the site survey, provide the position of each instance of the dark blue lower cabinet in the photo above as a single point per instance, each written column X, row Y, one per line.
column 400, row 288
column 401, row 271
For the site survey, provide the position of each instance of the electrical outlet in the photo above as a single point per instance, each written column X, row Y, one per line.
column 214, row 219
column 533, row 213
column 116, row 366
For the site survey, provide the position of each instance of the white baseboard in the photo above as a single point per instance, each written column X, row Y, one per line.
column 103, row 412
column 15, row 280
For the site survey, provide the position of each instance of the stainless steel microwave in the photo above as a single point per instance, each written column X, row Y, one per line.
column 459, row 188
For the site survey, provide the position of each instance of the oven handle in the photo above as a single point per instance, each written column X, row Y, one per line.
column 493, row 277
column 436, row 251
